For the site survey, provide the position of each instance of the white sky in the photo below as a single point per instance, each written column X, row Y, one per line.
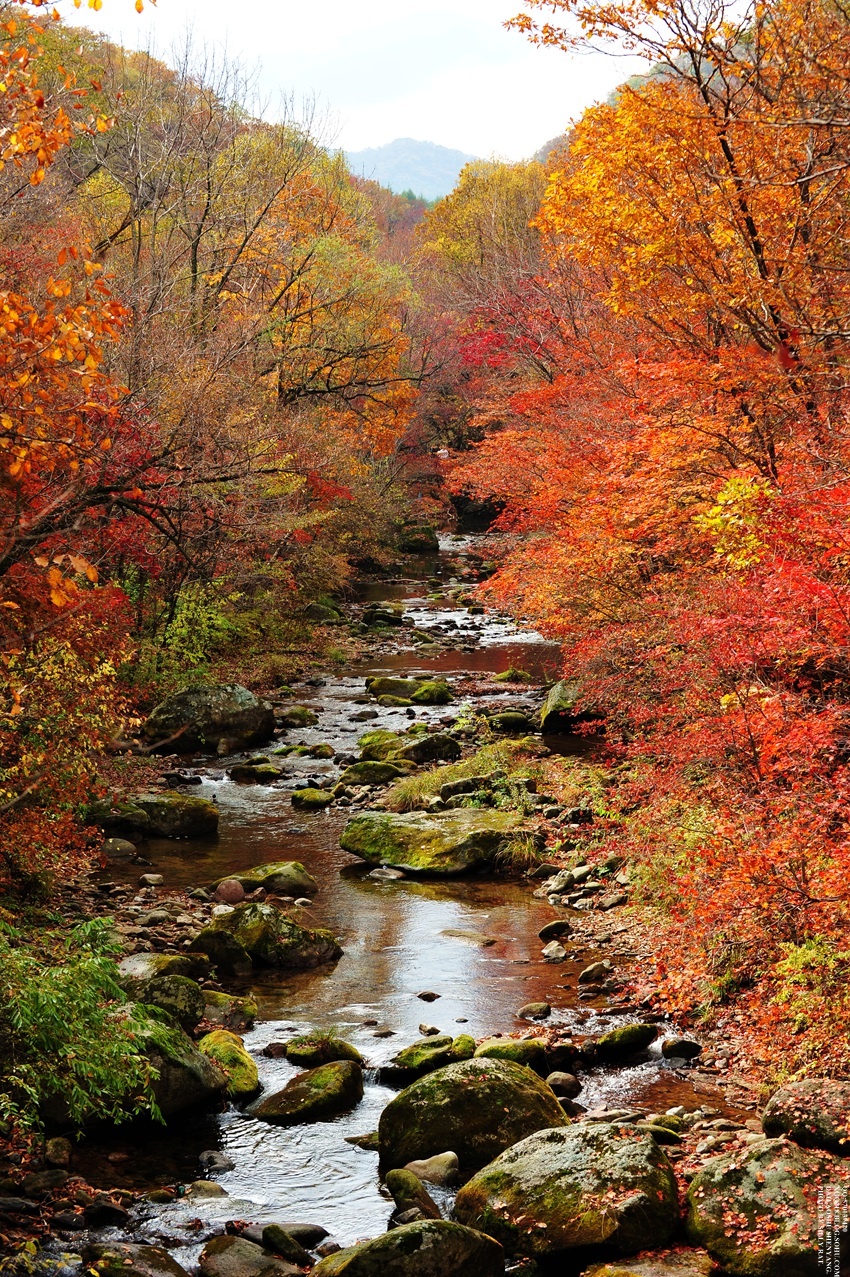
column 438, row 70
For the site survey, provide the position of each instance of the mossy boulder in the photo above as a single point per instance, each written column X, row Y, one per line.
column 309, row 1050
column 394, row 702
column 755, row 1212
column 311, row 799
column 230, row 1256
column 433, row 692
column 123, row 1259
column 274, row 939
column 558, row 713
column 181, row 997
column 322, row 614
column 510, row 722
column 430, row 1248
column 317, row 1095
column 557, row 1191
column 428, row 749
column 137, row 969
column 229, row 1012
column 426, row 1055
column 228, row 1051
column 297, row 716
column 441, row 844
column 166, row 815
column 409, row 1193
column 476, row 1108
column 421, row 539
column 668, row 1263
column 226, row 717
column 371, row 773
column 379, row 745
column 288, row 877
column 528, row 1051
column 186, row 1077
column 624, row 1041
column 402, row 687
column 255, row 773
column 513, row 675
column 814, row 1113
column 223, row 950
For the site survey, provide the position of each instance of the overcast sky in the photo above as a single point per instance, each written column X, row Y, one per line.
column 438, row 70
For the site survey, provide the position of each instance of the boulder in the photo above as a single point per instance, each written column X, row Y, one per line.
column 527, row 1051
column 379, row 745
column 756, row 1212
column 430, row 1248
column 442, row 844
column 433, row 692
column 223, row 950
column 276, row 1238
column 680, row 1049
column 409, row 1193
column 137, row 969
column 230, row 1256
column 228, row 1051
column 814, row 1113
column 186, row 1077
column 426, row 1056
column 401, row 687
column 421, row 539
column 166, row 815
column 442, row 1169
column 181, row 997
column 274, row 939
column 534, row 1011
column 122, row 1259
column 371, row 773
column 317, row 1095
column 310, row 799
column 510, row 722
column 255, row 773
column 477, row 1108
column 297, row 716
column 627, row 1040
column 312, row 1049
column 286, row 877
column 429, row 749
column 558, row 1191
column 208, row 717
column 558, row 713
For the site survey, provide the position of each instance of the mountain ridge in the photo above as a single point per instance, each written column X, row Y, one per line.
column 425, row 168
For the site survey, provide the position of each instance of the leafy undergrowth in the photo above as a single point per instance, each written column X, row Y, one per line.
column 507, row 757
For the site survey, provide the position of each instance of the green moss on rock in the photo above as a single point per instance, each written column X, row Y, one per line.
column 288, row 877
column 272, row 937
column 432, row 1248
column 317, row 1095
column 309, row 1050
column 433, row 692
column 528, row 1051
column 371, row 773
column 311, row 799
column 444, row 844
column 228, row 1051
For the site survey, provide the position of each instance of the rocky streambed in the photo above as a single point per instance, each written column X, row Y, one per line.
column 404, row 1017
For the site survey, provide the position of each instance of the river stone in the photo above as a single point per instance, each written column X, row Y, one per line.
column 298, row 716
column 564, row 1084
column 378, row 745
column 431, row 1248
column 276, row 1238
column 286, row 877
column 229, row 1256
column 419, row 539
column 690, row 1263
column 187, row 1077
column 409, row 1193
column 527, row 1051
column 680, row 1049
column 755, row 1212
column 433, row 692
column 256, row 773
column 558, row 713
column 815, row 1113
column 228, row 1051
column 165, row 815
column 401, row 687
column 561, row 1191
column 230, row 891
column 427, row 1055
column 273, row 938
column 428, row 749
column 555, row 930
column 371, row 773
column 442, row 1169
column 121, row 1259
column 223, row 950
column 477, row 1108
column 444, row 844
column 317, row 1095
column 137, row 969
column 510, row 722
column 624, row 1041
column 309, row 1050
column 181, row 997
column 534, row 1011
column 310, row 799
column 210, row 714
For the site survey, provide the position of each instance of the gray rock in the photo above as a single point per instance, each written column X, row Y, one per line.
column 442, row 1169
column 558, row 713
column 534, row 1011
column 430, row 1248
column 206, row 715
column 122, row 1259
column 236, row 1257
column 814, row 1112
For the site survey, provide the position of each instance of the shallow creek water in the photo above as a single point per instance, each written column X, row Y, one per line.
column 393, row 949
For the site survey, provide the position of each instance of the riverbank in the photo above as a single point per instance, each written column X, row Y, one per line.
column 472, row 941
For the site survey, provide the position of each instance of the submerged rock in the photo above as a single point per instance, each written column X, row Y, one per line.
column 476, row 1108
column 814, row 1113
column 273, row 938
column 443, row 844
column 208, row 716
column 431, row 1248
column 756, row 1212
column 317, row 1095
column 566, row 1190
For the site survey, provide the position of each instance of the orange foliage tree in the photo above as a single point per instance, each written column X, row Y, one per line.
column 678, row 494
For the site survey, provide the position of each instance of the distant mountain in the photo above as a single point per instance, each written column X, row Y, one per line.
column 407, row 165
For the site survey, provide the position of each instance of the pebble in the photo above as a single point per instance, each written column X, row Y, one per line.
column 428, row 1030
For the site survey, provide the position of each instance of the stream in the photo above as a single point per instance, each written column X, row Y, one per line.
column 394, row 949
